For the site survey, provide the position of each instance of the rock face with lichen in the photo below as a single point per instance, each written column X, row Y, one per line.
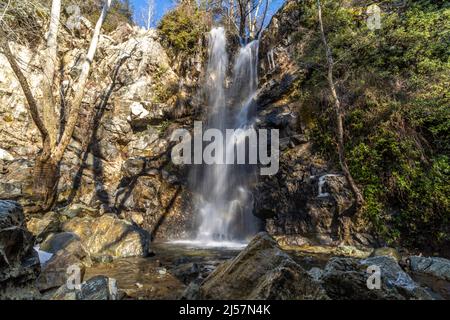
column 119, row 158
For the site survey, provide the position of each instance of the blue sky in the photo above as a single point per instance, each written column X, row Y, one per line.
column 162, row 6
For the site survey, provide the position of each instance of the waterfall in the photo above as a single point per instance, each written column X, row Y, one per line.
column 224, row 201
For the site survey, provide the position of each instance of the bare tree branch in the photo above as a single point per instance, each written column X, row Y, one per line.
column 50, row 62
column 31, row 102
column 339, row 118
column 81, row 86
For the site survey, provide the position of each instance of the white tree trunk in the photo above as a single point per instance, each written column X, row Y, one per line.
column 50, row 65
column 81, row 86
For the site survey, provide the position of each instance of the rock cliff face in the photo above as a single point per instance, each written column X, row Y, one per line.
column 119, row 190
column 119, row 158
column 308, row 200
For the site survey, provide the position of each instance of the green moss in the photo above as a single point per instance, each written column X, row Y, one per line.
column 394, row 86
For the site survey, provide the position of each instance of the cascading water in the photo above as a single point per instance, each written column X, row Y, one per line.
column 224, row 201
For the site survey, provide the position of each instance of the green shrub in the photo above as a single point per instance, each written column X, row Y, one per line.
column 182, row 28
column 394, row 85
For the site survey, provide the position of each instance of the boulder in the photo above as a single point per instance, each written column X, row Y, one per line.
column 389, row 252
column 19, row 262
column 109, row 235
column 64, row 241
column 67, row 251
column 347, row 279
column 55, row 272
column 433, row 266
column 261, row 271
column 42, row 227
column 97, row 288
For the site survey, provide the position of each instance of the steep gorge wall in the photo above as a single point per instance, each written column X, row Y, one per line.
column 308, row 201
column 118, row 160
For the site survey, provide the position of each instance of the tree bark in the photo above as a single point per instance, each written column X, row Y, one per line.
column 359, row 199
column 31, row 102
column 46, row 170
column 50, row 62
column 80, row 89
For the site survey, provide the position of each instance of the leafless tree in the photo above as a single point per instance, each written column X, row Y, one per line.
column 339, row 114
column 246, row 17
column 46, row 170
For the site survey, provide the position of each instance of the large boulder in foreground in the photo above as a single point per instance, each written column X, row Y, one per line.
column 109, row 236
column 19, row 262
column 262, row 271
column 347, row 279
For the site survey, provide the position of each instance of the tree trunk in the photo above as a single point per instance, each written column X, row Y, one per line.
column 359, row 199
column 50, row 62
column 45, row 183
column 46, row 170
column 80, row 89
column 31, row 102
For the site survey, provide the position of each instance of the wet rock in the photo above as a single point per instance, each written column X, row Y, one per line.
column 19, row 262
column 187, row 272
column 388, row 252
column 347, row 279
column 109, row 235
column 261, row 271
column 289, row 202
column 97, row 288
column 433, row 266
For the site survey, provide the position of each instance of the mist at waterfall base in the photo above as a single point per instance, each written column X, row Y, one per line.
column 223, row 198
